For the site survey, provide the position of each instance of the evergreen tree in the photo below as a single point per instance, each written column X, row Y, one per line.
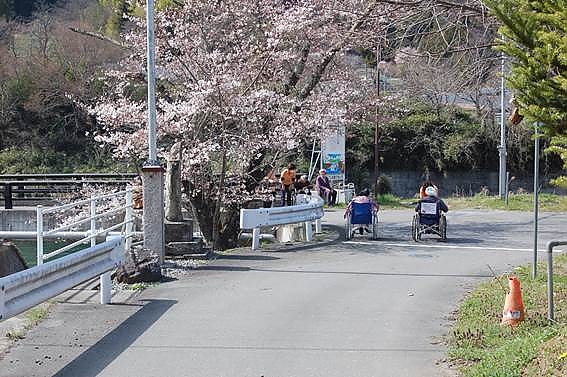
column 534, row 35
column 7, row 9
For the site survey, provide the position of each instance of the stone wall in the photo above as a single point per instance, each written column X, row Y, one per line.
column 462, row 183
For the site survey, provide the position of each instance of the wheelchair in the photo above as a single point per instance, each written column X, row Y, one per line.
column 361, row 218
column 429, row 220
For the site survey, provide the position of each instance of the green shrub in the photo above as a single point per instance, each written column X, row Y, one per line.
column 47, row 161
column 383, row 185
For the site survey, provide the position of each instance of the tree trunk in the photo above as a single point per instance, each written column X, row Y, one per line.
column 203, row 208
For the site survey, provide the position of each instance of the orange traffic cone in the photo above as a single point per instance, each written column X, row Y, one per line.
column 513, row 312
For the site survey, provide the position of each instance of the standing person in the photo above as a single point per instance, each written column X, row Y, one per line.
column 325, row 189
column 287, row 178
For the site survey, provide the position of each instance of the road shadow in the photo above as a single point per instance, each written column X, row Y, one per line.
column 223, row 268
column 364, row 273
column 245, row 257
column 102, row 353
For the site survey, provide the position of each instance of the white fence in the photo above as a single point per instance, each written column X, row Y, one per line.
column 89, row 218
column 307, row 213
column 28, row 288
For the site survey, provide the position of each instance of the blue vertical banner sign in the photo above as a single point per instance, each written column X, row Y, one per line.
column 333, row 153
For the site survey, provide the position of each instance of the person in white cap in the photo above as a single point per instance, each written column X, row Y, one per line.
column 440, row 206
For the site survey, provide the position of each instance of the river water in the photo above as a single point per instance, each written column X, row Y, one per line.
column 28, row 249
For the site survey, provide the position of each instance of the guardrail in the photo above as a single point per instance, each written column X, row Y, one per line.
column 28, row 288
column 550, row 246
column 34, row 187
column 307, row 213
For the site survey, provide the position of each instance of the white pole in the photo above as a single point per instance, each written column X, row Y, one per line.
column 318, row 226
column 152, row 156
column 502, row 146
column 39, row 239
column 93, row 220
column 128, row 219
column 536, row 193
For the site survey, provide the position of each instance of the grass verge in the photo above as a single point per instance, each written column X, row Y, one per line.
column 479, row 346
column 32, row 317
column 516, row 202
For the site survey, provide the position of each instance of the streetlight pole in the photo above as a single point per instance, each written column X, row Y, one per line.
column 150, row 50
column 502, row 146
column 152, row 172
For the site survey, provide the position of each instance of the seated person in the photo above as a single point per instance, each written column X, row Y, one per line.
column 430, row 207
column 324, row 188
column 303, row 185
column 362, row 197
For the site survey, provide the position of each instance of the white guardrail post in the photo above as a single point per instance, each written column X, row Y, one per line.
column 303, row 213
column 308, row 231
column 129, row 218
column 318, row 226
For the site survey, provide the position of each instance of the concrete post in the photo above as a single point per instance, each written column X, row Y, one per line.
column 153, row 218
column 173, row 185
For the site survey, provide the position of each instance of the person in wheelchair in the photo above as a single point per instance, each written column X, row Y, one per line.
column 362, row 210
column 429, row 217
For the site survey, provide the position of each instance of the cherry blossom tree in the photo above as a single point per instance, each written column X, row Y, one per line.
column 240, row 82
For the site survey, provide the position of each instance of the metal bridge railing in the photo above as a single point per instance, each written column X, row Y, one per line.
column 93, row 218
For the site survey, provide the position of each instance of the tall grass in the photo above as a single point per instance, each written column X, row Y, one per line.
column 481, row 347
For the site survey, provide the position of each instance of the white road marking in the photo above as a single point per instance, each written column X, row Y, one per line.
column 441, row 246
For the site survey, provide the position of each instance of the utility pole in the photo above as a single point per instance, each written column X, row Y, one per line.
column 502, row 147
column 152, row 172
column 536, row 195
column 376, row 127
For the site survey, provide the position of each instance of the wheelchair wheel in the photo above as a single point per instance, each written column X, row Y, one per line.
column 375, row 227
column 443, row 227
column 348, row 228
column 415, row 227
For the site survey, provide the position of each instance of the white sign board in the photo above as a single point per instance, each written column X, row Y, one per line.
column 333, row 153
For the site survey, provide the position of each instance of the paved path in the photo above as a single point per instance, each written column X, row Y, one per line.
column 329, row 308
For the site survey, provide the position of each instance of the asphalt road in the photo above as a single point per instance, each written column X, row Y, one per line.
column 329, row 308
